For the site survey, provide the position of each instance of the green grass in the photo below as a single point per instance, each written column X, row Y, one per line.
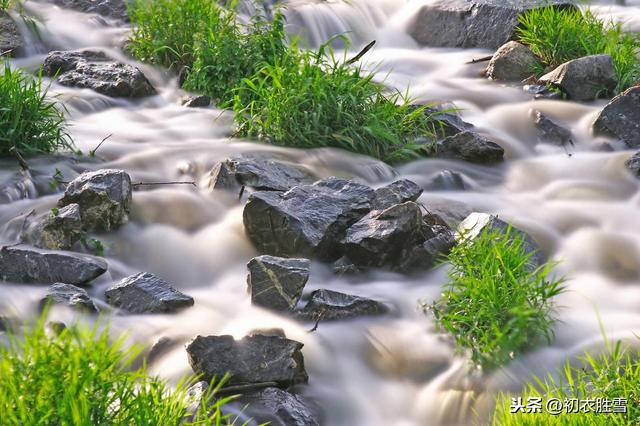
column 5, row 4
column 78, row 377
column 559, row 35
column 30, row 123
column 495, row 304
column 312, row 99
column 614, row 374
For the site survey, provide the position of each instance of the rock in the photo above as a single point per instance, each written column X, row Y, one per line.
column 146, row 293
column 260, row 174
column 331, row 305
column 195, row 396
column 344, row 266
column 472, row 23
column 550, row 132
column 113, row 9
column 69, row 295
column 59, row 229
column 426, row 255
column 540, row 91
column 253, row 359
column 450, row 122
column 633, row 164
column 88, row 69
column 620, row 118
column 10, row 40
column 307, row 220
column 512, row 62
column 276, row 282
column 377, row 238
column 584, row 79
column 447, row 180
column 277, row 407
column 477, row 223
column 469, row 146
column 199, row 101
column 398, row 192
column 23, row 264
column 104, row 197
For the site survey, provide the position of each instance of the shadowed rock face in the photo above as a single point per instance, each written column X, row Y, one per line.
column 472, row 23
column 10, row 39
column 620, row 118
column 114, row 9
column 584, row 79
column 549, row 131
column 328, row 305
column 633, row 164
column 471, row 147
column 277, row 282
column 58, row 230
column 69, row 295
column 146, row 293
column 279, row 408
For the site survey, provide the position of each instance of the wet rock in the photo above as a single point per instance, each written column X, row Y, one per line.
column 276, row 282
column 512, row 62
column 279, row 408
column 23, row 264
column 308, row 220
column 584, row 79
column 477, row 223
column 377, row 238
column 469, row 146
column 104, row 197
column 59, row 229
column 549, row 131
column 633, row 164
column 446, row 180
column 620, row 118
column 146, row 293
column 253, row 359
column 195, row 397
column 331, row 305
column 113, row 9
column 472, row 23
column 426, row 255
column 344, row 266
column 260, row 174
column 10, row 40
column 69, row 295
column 450, row 122
column 95, row 70
column 540, row 91
column 397, row 192
column 199, row 101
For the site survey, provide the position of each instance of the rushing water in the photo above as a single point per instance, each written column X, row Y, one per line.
column 395, row 370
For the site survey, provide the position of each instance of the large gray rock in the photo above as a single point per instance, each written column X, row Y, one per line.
column 22, row 264
column 146, row 293
column 253, row 359
column 88, row 69
column 308, row 220
column 104, row 197
column 449, row 121
column 114, row 9
column 277, row 282
column 549, row 131
column 512, row 62
column 328, row 305
column 397, row 192
column 257, row 173
column 69, row 295
column 378, row 238
column 277, row 407
column 470, row 146
column 633, row 164
column 427, row 254
column 10, row 39
column 59, row 229
column 584, row 79
column 620, row 118
column 472, row 23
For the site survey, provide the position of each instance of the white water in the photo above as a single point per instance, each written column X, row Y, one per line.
column 393, row 370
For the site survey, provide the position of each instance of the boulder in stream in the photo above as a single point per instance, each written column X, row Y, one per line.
column 251, row 360
column 113, row 9
column 197, row 101
column 397, row 192
column 584, row 79
column 276, row 282
column 92, row 69
column 59, row 229
column 620, row 118
column 471, row 147
column 279, row 408
column 104, row 197
column 69, row 295
column 449, row 121
column 329, row 305
column 146, row 293
column 23, row 264
column 10, row 39
column 549, row 131
column 512, row 62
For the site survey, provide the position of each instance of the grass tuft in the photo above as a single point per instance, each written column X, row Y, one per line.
column 560, row 35
column 78, row 377
column 495, row 304
column 5, row 5
column 30, row 123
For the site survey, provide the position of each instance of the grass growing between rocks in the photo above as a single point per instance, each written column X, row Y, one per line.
column 78, row 377
column 560, row 35
column 30, row 123
column 495, row 304
column 602, row 380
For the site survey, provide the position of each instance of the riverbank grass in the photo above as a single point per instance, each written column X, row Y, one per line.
column 30, row 123
column 495, row 305
column 609, row 383
column 560, row 35
column 78, row 377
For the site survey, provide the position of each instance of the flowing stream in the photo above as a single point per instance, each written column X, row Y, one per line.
column 393, row 370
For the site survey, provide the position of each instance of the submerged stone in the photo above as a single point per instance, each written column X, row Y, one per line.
column 69, row 295
column 328, row 305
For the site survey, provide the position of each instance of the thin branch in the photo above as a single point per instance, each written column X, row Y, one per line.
column 92, row 153
column 241, row 192
column 20, row 158
column 483, row 59
column 320, row 318
column 361, row 53
column 6, row 52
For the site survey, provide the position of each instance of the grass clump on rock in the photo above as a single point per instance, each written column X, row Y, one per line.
column 496, row 304
column 607, row 384
column 30, row 123
column 560, row 35
column 78, row 377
